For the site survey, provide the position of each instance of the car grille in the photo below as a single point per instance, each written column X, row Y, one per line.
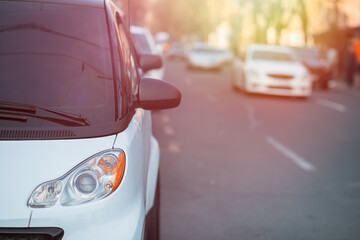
column 49, row 233
column 281, row 76
column 35, row 134
column 280, row 87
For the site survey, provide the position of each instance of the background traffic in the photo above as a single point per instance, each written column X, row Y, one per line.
column 258, row 166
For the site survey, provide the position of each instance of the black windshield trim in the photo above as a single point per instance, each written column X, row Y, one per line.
column 116, row 95
column 60, row 2
column 80, row 132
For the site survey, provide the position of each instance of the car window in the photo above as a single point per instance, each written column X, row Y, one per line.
column 56, row 56
column 130, row 69
column 272, row 55
column 141, row 43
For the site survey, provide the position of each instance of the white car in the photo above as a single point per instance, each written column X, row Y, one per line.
column 274, row 70
column 205, row 57
column 78, row 158
column 145, row 44
column 161, row 40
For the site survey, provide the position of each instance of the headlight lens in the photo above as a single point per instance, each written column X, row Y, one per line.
column 306, row 76
column 253, row 73
column 86, row 183
column 95, row 178
column 47, row 194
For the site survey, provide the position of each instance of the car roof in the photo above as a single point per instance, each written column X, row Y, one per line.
column 88, row 3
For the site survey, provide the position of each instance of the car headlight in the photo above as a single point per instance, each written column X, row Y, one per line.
column 253, row 73
column 93, row 179
column 306, row 76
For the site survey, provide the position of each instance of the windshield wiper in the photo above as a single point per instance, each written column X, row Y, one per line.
column 30, row 110
column 13, row 117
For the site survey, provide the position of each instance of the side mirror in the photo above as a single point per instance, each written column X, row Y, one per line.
column 150, row 61
column 156, row 94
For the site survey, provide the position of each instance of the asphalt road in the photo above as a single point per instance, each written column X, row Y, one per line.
column 236, row 166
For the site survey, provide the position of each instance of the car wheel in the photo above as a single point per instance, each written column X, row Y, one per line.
column 152, row 224
column 325, row 85
column 189, row 66
column 244, row 87
column 234, row 86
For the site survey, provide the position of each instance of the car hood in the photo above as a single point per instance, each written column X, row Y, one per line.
column 276, row 67
column 26, row 164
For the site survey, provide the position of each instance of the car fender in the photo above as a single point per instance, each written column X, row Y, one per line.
column 153, row 171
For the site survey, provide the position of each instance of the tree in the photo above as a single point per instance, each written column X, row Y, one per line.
column 276, row 14
column 186, row 17
column 301, row 11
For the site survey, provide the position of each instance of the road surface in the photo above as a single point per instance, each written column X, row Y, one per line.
column 237, row 166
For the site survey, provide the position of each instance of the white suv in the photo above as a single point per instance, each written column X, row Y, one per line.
column 78, row 157
column 274, row 70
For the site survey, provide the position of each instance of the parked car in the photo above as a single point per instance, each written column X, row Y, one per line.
column 204, row 56
column 227, row 56
column 78, row 157
column 317, row 67
column 274, row 70
column 161, row 40
column 176, row 51
column 145, row 44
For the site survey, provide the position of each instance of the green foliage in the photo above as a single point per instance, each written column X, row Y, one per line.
column 186, row 17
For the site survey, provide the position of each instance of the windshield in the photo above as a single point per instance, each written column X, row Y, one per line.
column 273, row 56
column 56, row 56
column 206, row 50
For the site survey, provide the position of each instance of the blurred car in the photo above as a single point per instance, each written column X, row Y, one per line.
column 317, row 67
column 176, row 51
column 145, row 44
column 227, row 56
column 79, row 160
column 161, row 41
column 274, row 70
column 204, row 56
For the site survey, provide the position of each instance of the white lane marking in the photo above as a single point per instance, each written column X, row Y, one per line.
column 211, row 98
column 333, row 105
column 254, row 123
column 168, row 130
column 174, row 147
column 188, row 81
column 298, row 160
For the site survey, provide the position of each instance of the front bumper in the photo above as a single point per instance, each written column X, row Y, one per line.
column 295, row 88
column 114, row 217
